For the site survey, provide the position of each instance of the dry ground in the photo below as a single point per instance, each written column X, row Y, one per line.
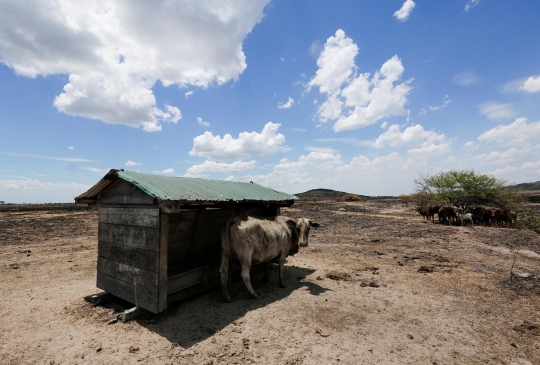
column 376, row 285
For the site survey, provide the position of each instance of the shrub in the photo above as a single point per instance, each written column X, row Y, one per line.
column 351, row 198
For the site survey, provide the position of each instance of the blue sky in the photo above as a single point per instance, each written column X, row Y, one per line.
column 359, row 96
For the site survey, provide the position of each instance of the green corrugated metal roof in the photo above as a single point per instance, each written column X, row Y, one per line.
column 193, row 189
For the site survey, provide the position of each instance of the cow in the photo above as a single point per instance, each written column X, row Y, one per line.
column 445, row 214
column 466, row 218
column 430, row 212
column 260, row 240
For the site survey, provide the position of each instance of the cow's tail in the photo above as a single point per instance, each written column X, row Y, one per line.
column 225, row 238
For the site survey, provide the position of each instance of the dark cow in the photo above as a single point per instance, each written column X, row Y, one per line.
column 446, row 214
column 431, row 211
column 254, row 240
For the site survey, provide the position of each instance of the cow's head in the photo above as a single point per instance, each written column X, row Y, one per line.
column 303, row 225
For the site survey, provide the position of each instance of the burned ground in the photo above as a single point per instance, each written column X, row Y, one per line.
column 377, row 284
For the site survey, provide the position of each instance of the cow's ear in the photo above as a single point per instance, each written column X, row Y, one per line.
column 291, row 223
column 313, row 224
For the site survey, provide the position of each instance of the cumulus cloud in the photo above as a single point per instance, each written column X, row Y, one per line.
column 426, row 141
column 208, row 167
column 406, row 10
column 169, row 171
column 188, row 94
column 114, row 52
column 291, row 175
column 286, row 105
column 471, row 4
column 470, row 146
column 532, row 85
column 132, row 163
column 356, row 101
column 466, row 78
column 202, row 122
column 247, row 145
column 497, row 111
column 517, row 133
column 499, row 158
column 70, row 148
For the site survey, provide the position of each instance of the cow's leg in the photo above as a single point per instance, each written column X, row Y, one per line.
column 225, row 277
column 282, row 272
column 246, row 266
column 266, row 277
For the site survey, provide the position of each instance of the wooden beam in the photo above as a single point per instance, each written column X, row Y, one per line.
column 131, row 314
column 99, row 298
column 163, row 252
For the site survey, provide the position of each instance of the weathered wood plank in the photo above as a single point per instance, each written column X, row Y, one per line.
column 143, row 259
column 130, row 216
column 180, row 226
column 139, row 278
column 180, row 236
column 123, row 192
column 145, row 238
column 127, row 291
column 186, row 279
column 163, row 245
column 99, row 298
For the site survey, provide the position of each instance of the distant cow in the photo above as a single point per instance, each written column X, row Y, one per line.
column 446, row 214
column 466, row 218
column 253, row 240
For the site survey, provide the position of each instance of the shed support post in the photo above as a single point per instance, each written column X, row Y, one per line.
column 163, row 243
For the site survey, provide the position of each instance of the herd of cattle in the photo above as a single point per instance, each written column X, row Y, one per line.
column 477, row 215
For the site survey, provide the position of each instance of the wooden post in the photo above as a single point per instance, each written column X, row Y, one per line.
column 162, row 279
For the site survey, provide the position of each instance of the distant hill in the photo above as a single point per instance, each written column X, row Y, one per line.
column 529, row 186
column 329, row 194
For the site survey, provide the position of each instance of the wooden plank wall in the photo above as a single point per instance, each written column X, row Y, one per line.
column 129, row 255
column 195, row 236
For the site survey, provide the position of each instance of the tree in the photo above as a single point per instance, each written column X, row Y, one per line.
column 468, row 188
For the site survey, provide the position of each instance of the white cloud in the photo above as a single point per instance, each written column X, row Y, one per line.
column 336, row 63
column 470, row 146
column 363, row 100
column 70, row 148
column 230, row 178
column 114, row 52
column 308, row 170
column 96, row 170
column 188, row 94
column 169, row 171
column 132, row 163
column 208, row 167
column 467, row 78
column 286, row 105
column 423, row 111
column 471, row 4
column 66, row 159
column 532, row 84
column 427, row 141
column 202, row 122
column 445, row 103
column 517, row 133
column 321, row 149
column 406, row 10
column 497, row 111
column 384, row 125
column 499, row 158
column 247, row 145
column 36, row 191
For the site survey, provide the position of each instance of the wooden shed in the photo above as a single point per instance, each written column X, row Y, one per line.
column 159, row 237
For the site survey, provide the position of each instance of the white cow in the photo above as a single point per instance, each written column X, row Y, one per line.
column 259, row 240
